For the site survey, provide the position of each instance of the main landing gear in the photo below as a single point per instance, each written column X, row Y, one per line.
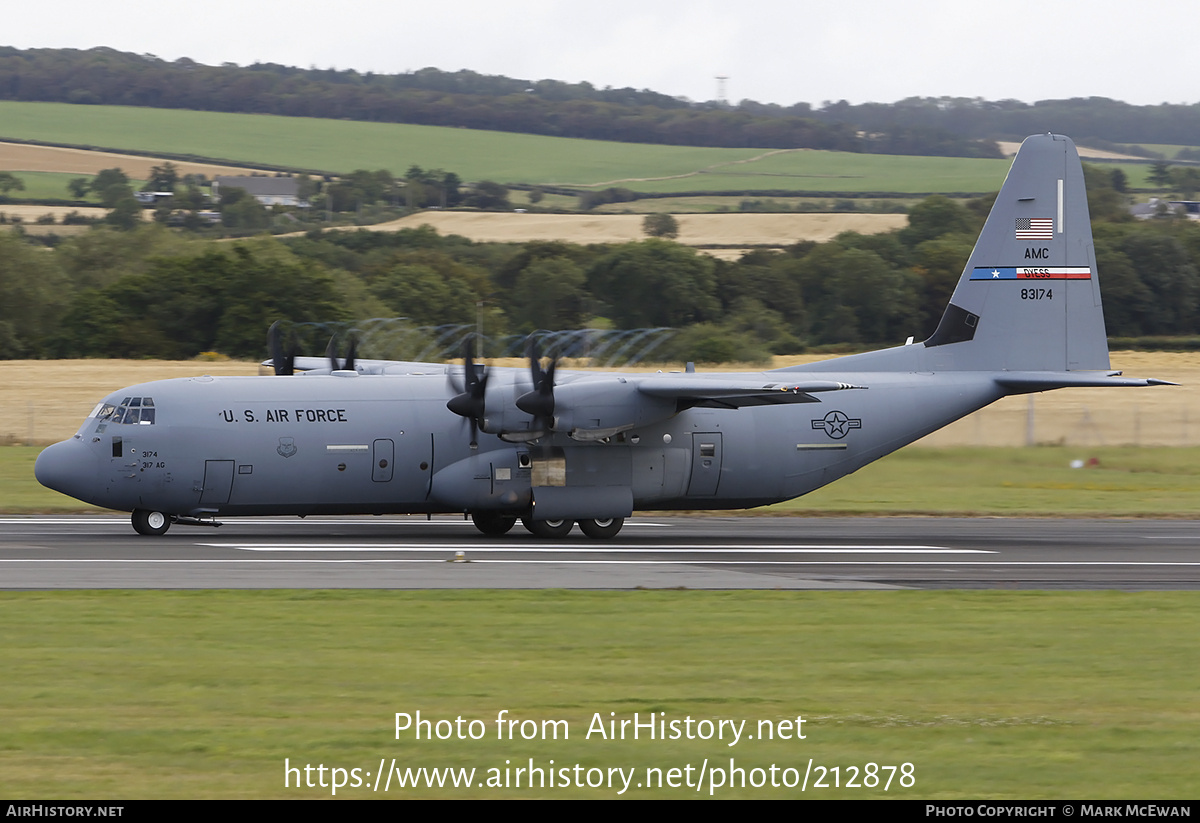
column 495, row 524
column 150, row 524
column 602, row 529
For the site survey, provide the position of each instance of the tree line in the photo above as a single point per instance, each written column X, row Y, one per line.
column 955, row 126
column 151, row 292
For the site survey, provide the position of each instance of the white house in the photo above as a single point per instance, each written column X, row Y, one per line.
column 270, row 191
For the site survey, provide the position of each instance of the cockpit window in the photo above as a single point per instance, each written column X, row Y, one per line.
column 137, row 411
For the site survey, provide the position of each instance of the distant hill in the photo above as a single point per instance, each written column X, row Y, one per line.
column 340, row 146
column 462, row 99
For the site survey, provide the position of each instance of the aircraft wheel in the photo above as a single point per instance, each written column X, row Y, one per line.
column 493, row 524
column 150, row 524
column 602, row 529
column 548, row 528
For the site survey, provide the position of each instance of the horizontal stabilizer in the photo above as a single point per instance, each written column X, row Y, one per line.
column 1025, row 382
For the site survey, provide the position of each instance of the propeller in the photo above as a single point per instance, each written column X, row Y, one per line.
column 469, row 401
column 540, row 401
column 283, row 358
column 331, row 353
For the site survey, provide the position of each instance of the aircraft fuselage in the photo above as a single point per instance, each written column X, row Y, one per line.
column 387, row 444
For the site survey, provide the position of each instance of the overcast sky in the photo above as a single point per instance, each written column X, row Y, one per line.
column 778, row 51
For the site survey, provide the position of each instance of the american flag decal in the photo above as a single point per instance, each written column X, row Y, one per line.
column 1035, row 228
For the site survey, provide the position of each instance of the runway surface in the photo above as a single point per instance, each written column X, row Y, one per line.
column 100, row 551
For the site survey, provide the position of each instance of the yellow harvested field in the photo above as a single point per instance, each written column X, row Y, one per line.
column 694, row 229
column 47, row 400
column 22, row 157
column 1010, row 148
column 29, row 213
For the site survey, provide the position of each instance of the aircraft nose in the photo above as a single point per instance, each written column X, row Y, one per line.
column 68, row 467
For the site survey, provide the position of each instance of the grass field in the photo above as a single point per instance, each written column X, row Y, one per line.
column 45, row 185
column 340, row 146
column 1167, row 149
column 988, row 694
column 1122, row 482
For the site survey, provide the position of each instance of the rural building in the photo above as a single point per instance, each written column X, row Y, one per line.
column 1183, row 208
column 270, row 191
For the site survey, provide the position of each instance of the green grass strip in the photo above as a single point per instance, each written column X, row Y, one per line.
column 988, row 694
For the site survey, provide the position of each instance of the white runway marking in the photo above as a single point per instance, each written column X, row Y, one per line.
column 575, row 548
column 451, row 561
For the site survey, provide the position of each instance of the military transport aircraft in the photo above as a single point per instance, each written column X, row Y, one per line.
column 554, row 448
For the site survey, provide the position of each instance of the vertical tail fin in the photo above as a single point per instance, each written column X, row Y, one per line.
column 1029, row 299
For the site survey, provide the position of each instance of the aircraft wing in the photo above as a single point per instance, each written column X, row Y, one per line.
column 691, row 392
column 321, row 365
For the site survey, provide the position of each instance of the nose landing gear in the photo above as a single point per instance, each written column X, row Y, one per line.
column 150, row 524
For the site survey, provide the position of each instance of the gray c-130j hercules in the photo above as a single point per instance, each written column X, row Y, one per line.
column 555, row 448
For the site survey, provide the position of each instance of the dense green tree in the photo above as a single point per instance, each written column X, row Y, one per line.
column 125, row 213
column 1104, row 201
column 162, row 178
column 32, row 293
column 222, row 300
column 1186, row 180
column 549, row 294
column 241, row 211
column 362, row 188
column 655, row 283
column 98, row 258
column 938, row 265
column 505, row 276
column 660, row 224
column 767, row 278
column 886, row 244
column 1127, row 300
column 487, row 194
column 855, row 296
column 421, row 293
column 108, row 177
column 433, row 187
column 115, row 193
column 935, row 216
column 1160, row 175
column 10, row 182
column 714, row 343
column 750, row 316
column 1163, row 266
column 79, row 187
